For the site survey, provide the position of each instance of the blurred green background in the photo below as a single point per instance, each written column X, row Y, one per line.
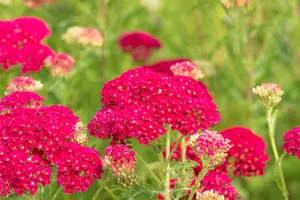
column 241, row 46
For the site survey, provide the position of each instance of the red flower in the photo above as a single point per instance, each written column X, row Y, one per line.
column 61, row 64
column 20, row 43
column 139, row 44
column 140, row 102
column 292, row 142
column 23, row 83
column 247, row 152
column 35, row 137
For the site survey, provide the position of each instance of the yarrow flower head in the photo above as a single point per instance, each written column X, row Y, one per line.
column 23, row 84
column 187, row 69
column 164, row 66
column 209, row 195
column 233, row 3
column 84, row 36
column 36, row 137
column 139, row 44
column 292, row 142
column 247, row 153
column 20, row 43
column 269, row 93
column 211, row 147
column 141, row 102
column 121, row 160
column 34, row 4
column 60, row 64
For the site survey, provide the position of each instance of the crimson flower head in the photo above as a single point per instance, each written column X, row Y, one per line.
column 60, row 64
column 24, row 83
column 20, row 43
column 139, row 44
column 292, row 142
column 34, row 138
column 121, row 160
column 247, row 155
column 141, row 102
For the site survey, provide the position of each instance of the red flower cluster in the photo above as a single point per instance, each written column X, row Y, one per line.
column 20, row 43
column 23, row 83
column 60, row 64
column 140, row 102
column 34, row 137
column 139, row 44
column 37, row 3
column 292, row 142
column 247, row 152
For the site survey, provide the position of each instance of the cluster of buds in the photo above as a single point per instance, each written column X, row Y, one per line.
column 187, row 69
column 269, row 93
column 23, row 84
column 210, row 147
column 209, row 195
column 80, row 136
column 233, row 3
column 34, row 4
column 83, row 36
column 60, row 64
column 120, row 159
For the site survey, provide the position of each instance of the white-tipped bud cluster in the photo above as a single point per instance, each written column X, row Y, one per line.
column 80, row 136
column 23, row 84
column 269, row 93
column 187, row 69
column 209, row 195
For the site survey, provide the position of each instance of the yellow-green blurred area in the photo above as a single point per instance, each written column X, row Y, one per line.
column 242, row 47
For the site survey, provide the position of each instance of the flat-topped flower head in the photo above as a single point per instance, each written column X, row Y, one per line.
column 233, row 3
column 187, row 69
column 269, row 93
column 84, row 36
column 141, row 102
column 139, row 44
column 23, row 84
column 121, row 160
column 247, row 155
column 34, row 4
column 20, row 43
column 209, row 195
column 164, row 66
column 35, row 138
column 292, row 142
column 211, row 147
column 60, row 64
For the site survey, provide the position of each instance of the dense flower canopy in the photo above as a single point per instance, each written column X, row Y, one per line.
column 292, row 142
column 20, row 43
column 34, row 137
column 141, row 102
column 139, row 44
column 247, row 155
column 23, row 83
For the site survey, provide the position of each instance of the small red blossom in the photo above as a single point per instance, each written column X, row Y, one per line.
column 140, row 102
column 292, row 142
column 139, row 44
column 247, row 155
column 20, row 43
column 35, row 137
column 60, row 64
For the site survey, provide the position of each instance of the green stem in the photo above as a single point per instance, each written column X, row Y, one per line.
column 98, row 191
column 199, row 178
column 57, row 193
column 271, row 124
column 113, row 196
column 150, row 171
column 183, row 150
column 174, row 148
column 167, row 179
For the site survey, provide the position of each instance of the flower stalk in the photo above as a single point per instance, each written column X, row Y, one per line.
column 167, row 179
column 57, row 193
column 199, row 178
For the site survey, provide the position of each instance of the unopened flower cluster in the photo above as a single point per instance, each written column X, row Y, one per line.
column 25, row 84
column 21, row 43
column 269, row 93
column 209, row 195
column 210, row 147
column 187, row 69
column 233, row 3
column 83, row 36
column 121, row 160
column 141, row 102
column 35, row 137
column 34, row 4
column 292, row 142
column 60, row 64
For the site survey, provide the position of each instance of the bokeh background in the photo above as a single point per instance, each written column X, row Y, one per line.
column 238, row 48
